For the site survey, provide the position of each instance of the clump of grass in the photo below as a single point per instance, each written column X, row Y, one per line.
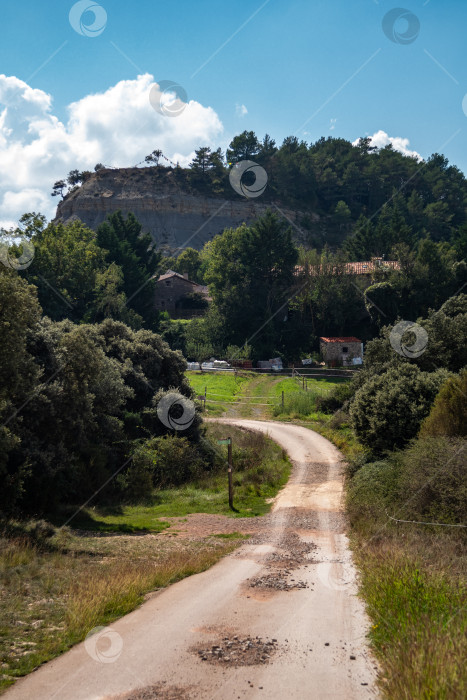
column 297, row 404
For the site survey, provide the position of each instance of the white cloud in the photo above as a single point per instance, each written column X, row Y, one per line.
column 241, row 110
column 117, row 127
column 380, row 139
column 332, row 124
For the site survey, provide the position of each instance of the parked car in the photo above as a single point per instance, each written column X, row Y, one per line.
column 221, row 364
column 193, row 365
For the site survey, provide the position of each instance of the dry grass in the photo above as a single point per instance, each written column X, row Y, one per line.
column 50, row 598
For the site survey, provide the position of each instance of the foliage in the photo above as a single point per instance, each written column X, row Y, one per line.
column 134, row 252
column 448, row 415
column 255, row 265
column 336, row 399
column 170, row 460
column 446, row 347
column 73, row 398
column 387, row 411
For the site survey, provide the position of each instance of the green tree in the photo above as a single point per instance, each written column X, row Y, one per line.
column 134, row 252
column 66, row 262
column 387, row 411
column 381, row 302
column 189, row 261
column 250, row 272
column 245, row 146
column 19, row 375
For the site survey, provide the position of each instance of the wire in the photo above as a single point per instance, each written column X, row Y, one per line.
column 419, row 522
column 240, row 397
column 241, row 403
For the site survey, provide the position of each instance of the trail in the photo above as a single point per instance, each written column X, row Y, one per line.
column 279, row 618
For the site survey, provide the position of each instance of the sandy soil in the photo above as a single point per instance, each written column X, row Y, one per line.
column 279, row 618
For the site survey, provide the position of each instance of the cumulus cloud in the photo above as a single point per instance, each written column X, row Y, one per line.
column 117, row 127
column 380, row 139
column 241, row 110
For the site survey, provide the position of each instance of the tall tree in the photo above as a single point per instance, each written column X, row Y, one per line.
column 245, row 146
column 134, row 252
column 250, row 272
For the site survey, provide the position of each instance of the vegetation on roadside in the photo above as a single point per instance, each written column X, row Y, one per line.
column 56, row 589
column 60, row 583
column 407, row 504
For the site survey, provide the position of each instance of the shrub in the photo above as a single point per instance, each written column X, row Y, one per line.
column 170, row 460
column 448, row 415
column 433, row 480
column 425, row 482
column 339, row 395
column 388, row 409
column 373, row 488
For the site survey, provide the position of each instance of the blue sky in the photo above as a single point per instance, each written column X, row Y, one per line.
column 306, row 67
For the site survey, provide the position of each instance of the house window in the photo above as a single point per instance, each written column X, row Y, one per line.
column 167, row 283
column 345, row 349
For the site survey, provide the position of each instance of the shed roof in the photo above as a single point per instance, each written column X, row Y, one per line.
column 341, row 339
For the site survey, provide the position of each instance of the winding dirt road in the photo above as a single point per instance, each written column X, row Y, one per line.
column 279, row 618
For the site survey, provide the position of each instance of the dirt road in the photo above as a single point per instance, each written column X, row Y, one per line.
column 279, row 618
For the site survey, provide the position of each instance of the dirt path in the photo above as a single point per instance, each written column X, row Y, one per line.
column 279, row 618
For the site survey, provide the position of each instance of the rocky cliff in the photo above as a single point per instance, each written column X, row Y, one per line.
column 167, row 207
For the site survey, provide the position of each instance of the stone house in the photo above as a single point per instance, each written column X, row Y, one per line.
column 345, row 351
column 172, row 289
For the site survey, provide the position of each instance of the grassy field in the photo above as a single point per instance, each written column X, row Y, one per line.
column 248, row 394
column 413, row 583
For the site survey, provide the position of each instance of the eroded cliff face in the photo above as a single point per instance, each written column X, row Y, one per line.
column 173, row 217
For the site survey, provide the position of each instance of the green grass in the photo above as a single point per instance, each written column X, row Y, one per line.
column 260, row 469
column 224, row 390
column 417, row 601
column 130, row 519
column 224, row 387
column 232, row 536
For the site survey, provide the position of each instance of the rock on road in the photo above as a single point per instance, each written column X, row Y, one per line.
column 279, row 618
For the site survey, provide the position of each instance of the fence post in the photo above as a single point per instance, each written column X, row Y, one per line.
column 283, row 403
column 229, row 449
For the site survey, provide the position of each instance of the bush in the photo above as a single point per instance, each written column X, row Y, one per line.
column 448, row 415
column 339, row 395
column 425, row 482
column 433, row 480
column 373, row 488
column 387, row 411
column 170, row 460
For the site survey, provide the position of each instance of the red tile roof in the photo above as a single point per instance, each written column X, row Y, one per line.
column 352, row 268
column 349, row 339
